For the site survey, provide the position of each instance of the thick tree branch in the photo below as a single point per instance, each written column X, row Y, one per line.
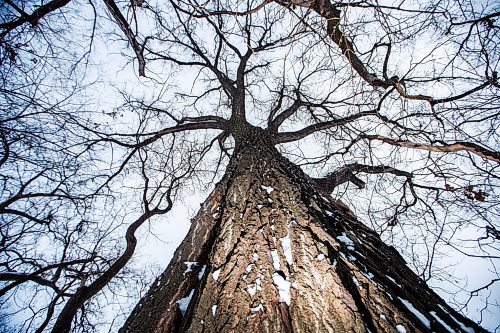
column 275, row 123
column 63, row 322
column 193, row 123
column 32, row 18
column 125, row 27
column 208, row 122
column 25, row 215
column 332, row 16
column 439, row 147
column 19, row 278
column 488, row 19
column 433, row 101
column 347, row 174
column 284, row 137
column 84, row 293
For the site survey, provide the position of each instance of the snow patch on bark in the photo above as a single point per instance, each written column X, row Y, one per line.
column 214, row 309
column 356, row 281
column 348, row 257
column 400, row 329
column 215, row 275
column 268, row 189
column 369, row 276
column 251, row 289
column 202, row 272
column 359, row 254
column 423, row 319
column 448, row 328
column 276, row 260
column 393, row 281
column 184, row 302
column 283, row 288
column 346, row 240
column 189, row 265
column 286, row 244
column 459, row 323
column 254, row 287
column 257, row 308
column 320, row 257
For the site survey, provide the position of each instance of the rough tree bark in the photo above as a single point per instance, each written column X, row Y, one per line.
column 269, row 251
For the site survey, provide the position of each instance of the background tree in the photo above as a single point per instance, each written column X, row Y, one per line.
column 63, row 216
column 392, row 108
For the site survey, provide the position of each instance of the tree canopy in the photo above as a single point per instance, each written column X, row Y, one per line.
column 114, row 111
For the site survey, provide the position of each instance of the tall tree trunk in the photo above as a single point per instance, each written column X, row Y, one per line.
column 268, row 252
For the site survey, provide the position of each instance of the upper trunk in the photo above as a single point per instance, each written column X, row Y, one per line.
column 268, row 252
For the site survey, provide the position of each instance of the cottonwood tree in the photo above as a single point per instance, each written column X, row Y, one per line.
column 335, row 130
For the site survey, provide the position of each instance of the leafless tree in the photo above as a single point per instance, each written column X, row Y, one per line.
column 344, row 137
